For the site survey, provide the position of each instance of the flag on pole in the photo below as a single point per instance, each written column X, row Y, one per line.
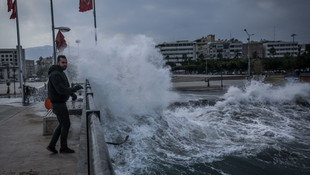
column 60, row 41
column 86, row 5
column 13, row 7
column 10, row 5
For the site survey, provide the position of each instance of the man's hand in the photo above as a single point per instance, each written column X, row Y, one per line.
column 77, row 87
column 74, row 97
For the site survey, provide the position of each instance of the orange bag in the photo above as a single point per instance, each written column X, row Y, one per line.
column 48, row 104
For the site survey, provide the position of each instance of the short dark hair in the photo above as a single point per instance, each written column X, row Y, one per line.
column 60, row 56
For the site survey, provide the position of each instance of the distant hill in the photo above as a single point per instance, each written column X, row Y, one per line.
column 34, row 53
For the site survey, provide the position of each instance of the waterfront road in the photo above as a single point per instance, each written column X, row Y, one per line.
column 22, row 144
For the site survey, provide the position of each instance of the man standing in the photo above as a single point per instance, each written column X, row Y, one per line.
column 59, row 92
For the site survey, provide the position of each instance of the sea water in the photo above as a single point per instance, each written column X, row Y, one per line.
column 254, row 129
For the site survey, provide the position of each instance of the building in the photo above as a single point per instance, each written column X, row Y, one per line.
column 280, row 49
column 218, row 49
column 202, row 46
column 224, row 48
column 178, row 51
column 9, row 64
column 235, row 49
column 304, row 48
column 43, row 64
column 256, row 50
column 30, row 69
column 209, row 48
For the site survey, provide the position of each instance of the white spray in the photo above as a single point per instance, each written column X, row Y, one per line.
column 127, row 75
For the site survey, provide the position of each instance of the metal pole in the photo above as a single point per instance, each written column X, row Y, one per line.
column 14, row 69
column 221, row 69
column 19, row 56
column 95, row 23
column 54, row 47
column 206, row 66
column 249, row 64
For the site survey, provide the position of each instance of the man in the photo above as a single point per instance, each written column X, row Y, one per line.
column 59, row 92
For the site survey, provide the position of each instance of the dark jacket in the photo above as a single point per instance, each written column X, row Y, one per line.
column 59, row 89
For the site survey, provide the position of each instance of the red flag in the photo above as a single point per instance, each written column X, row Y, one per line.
column 10, row 5
column 60, row 41
column 86, row 5
column 13, row 7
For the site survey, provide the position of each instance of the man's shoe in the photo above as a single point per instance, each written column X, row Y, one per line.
column 52, row 149
column 66, row 150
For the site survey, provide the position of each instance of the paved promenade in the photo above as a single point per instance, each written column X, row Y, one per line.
column 201, row 81
column 22, row 144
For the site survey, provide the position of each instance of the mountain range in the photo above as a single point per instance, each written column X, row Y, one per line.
column 34, row 53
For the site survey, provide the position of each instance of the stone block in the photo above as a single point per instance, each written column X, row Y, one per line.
column 50, row 122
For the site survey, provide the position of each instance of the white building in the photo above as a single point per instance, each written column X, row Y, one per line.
column 178, row 51
column 228, row 49
column 235, row 49
column 209, row 48
column 281, row 48
column 9, row 64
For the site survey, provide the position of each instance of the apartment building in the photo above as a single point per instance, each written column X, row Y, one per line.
column 178, row 51
column 224, row 48
column 280, row 48
column 9, row 64
column 30, row 68
column 257, row 50
column 209, row 48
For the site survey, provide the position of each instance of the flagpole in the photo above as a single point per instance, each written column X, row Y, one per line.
column 95, row 23
column 54, row 47
column 19, row 56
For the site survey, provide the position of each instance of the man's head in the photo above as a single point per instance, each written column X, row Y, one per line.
column 62, row 62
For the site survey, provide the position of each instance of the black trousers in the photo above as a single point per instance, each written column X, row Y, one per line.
column 62, row 130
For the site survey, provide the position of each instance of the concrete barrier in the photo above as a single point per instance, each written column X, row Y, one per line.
column 50, row 122
column 94, row 156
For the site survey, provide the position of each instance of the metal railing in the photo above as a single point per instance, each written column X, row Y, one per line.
column 99, row 161
column 33, row 94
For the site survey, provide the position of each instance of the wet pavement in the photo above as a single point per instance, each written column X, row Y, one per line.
column 23, row 146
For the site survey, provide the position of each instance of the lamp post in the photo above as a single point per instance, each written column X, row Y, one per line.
column 249, row 64
column 293, row 35
column 220, row 57
column 62, row 29
column 14, row 69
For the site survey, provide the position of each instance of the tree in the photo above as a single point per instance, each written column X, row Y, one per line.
column 255, row 55
column 200, row 56
column 273, row 51
column 258, row 67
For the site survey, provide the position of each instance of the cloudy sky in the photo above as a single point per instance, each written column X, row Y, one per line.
column 163, row 20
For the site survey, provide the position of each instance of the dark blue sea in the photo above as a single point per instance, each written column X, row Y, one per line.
column 255, row 129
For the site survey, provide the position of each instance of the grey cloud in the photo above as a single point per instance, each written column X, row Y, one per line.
column 165, row 20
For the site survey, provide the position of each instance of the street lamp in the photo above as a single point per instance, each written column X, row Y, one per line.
column 62, row 29
column 293, row 35
column 249, row 64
